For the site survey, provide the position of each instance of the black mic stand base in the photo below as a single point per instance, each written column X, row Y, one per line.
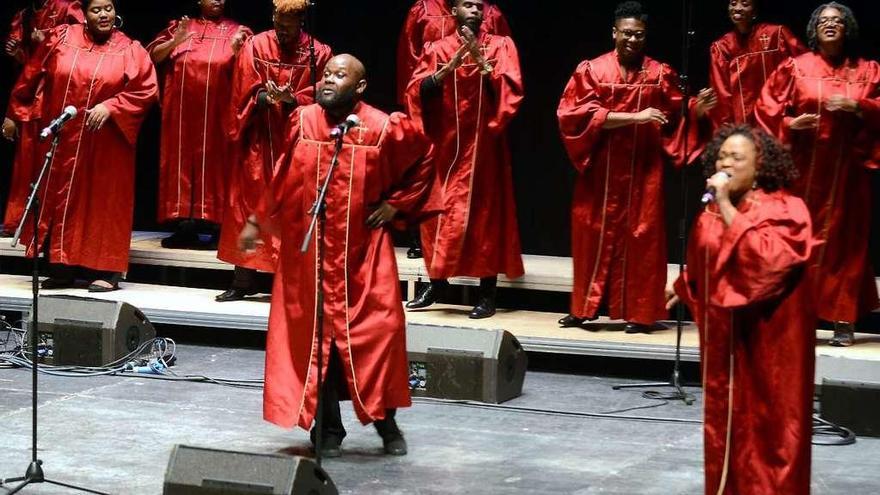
column 34, row 475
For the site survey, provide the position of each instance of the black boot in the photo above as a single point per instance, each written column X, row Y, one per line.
column 392, row 438
column 486, row 307
column 429, row 295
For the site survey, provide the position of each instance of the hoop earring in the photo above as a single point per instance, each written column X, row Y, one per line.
column 119, row 22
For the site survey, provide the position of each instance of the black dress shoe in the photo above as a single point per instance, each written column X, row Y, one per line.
column 427, row 297
column 94, row 287
column 57, row 283
column 414, row 253
column 394, row 444
column 331, row 447
column 637, row 328
column 570, row 321
column 234, row 294
column 485, row 309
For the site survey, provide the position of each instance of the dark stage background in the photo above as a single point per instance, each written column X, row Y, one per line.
column 552, row 37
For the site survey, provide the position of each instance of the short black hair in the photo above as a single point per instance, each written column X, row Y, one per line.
column 851, row 33
column 775, row 167
column 630, row 10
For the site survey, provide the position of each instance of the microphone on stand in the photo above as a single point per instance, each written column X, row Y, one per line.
column 57, row 124
column 709, row 195
column 343, row 128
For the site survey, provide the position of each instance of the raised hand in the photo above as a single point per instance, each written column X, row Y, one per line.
column 10, row 129
column 841, row 103
column 804, row 121
column 181, row 33
column 238, row 39
column 11, row 47
column 707, row 99
column 474, row 49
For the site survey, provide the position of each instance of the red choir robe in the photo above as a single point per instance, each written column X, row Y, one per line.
column 381, row 160
column 747, row 287
column 618, row 226
column 54, row 13
column 467, row 122
column 258, row 134
column 196, row 154
column 87, row 199
column 833, row 161
column 740, row 65
column 429, row 21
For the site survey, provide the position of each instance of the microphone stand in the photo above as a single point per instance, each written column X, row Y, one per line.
column 319, row 220
column 34, row 473
column 678, row 393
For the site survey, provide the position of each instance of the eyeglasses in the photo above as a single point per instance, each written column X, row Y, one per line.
column 825, row 21
column 638, row 35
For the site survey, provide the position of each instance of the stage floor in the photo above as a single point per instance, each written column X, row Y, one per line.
column 115, row 434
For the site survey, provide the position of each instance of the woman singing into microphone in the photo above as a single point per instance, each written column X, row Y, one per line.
column 747, row 287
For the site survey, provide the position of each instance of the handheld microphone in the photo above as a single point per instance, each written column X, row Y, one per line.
column 57, row 124
column 343, row 128
column 709, row 195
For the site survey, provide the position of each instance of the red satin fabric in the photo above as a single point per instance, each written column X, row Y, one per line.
column 746, row 285
column 740, row 65
column 26, row 165
column 88, row 196
column 477, row 233
column 380, row 160
column 617, row 208
column 834, row 161
column 196, row 154
column 429, row 21
column 54, row 13
column 259, row 135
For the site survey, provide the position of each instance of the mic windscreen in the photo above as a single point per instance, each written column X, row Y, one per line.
column 70, row 110
column 352, row 120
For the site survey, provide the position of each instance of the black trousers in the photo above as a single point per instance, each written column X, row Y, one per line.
column 332, row 416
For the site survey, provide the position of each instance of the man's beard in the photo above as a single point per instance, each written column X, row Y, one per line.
column 336, row 101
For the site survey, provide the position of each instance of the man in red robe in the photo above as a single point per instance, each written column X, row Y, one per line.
column 87, row 199
column 429, row 21
column 747, row 286
column 273, row 76
column 197, row 58
column 28, row 29
column 380, row 175
column 465, row 91
column 825, row 105
column 620, row 120
column 742, row 59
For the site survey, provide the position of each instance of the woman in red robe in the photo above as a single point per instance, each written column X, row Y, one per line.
column 29, row 28
column 272, row 77
column 197, row 58
column 747, row 287
column 429, row 21
column 87, row 199
column 465, row 92
column 619, row 118
column 826, row 106
column 381, row 172
column 742, row 59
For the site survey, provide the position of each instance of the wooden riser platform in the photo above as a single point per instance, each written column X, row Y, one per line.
column 538, row 332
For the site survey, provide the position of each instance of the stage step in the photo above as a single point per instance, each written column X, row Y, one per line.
column 538, row 332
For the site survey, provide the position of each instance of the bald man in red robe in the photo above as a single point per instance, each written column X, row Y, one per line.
column 465, row 91
column 381, row 175
column 272, row 77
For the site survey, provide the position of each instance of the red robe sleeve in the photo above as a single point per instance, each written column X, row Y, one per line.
column 757, row 258
column 244, row 89
column 406, row 173
column 581, row 116
column 793, row 45
column 676, row 139
column 129, row 108
column 496, row 23
column 870, row 110
column 415, row 107
column 772, row 108
column 409, row 46
column 719, row 79
column 507, row 86
column 281, row 198
column 24, row 101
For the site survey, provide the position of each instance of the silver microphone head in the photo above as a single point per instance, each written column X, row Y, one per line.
column 352, row 120
column 70, row 110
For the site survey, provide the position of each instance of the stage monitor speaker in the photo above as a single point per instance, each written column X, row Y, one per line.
column 201, row 471
column 465, row 363
column 83, row 331
column 851, row 404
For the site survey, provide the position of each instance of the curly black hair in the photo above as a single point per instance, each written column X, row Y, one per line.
column 775, row 168
column 851, row 34
column 630, row 10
